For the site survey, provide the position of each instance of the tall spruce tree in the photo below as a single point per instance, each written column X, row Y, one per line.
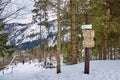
column 5, row 50
column 98, row 19
column 40, row 16
column 104, row 17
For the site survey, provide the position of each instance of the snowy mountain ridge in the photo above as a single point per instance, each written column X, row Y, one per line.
column 26, row 36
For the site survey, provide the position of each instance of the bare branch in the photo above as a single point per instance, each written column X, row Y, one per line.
column 3, row 5
column 8, row 12
column 9, row 15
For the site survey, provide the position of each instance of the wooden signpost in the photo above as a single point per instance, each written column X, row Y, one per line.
column 88, row 42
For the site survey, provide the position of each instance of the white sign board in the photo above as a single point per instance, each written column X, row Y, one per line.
column 87, row 26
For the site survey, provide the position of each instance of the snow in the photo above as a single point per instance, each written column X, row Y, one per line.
column 66, row 37
column 99, row 70
column 22, row 21
column 51, row 41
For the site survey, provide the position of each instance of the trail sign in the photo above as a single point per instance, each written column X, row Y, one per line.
column 88, row 43
column 88, row 33
column 87, row 26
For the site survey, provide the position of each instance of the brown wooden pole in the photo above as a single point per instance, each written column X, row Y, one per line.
column 87, row 50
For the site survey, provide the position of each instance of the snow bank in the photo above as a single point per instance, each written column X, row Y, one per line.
column 99, row 70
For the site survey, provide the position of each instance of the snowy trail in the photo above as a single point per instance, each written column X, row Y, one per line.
column 12, row 60
column 99, row 70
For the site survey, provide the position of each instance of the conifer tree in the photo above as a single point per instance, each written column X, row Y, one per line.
column 5, row 50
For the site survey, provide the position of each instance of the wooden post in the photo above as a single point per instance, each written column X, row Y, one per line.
column 87, row 50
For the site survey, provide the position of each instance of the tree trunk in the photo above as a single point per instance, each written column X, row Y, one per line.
column 106, row 27
column 111, row 57
column 45, row 58
column 73, row 33
column 100, row 54
column 58, row 38
column 40, row 52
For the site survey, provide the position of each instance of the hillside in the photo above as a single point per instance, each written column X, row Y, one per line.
column 27, row 35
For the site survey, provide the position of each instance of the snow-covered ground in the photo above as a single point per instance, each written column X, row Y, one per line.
column 99, row 70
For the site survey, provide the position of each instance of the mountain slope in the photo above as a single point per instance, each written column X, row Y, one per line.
column 28, row 35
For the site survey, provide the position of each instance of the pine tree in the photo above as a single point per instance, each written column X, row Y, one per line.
column 98, row 20
column 5, row 50
column 105, row 16
column 40, row 15
column 41, row 8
